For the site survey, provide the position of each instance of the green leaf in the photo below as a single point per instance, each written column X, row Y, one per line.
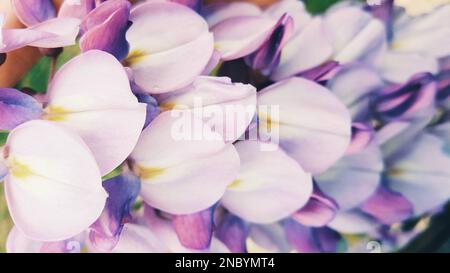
column 37, row 77
column 68, row 53
column 3, row 137
column 318, row 6
column 116, row 172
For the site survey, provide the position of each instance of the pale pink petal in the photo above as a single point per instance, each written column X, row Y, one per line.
column 398, row 67
column 237, row 37
column 310, row 123
column 97, row 102
column 217, row 13
column 139, row 239
column 302, row 51
column 64, row 31
column 354, row 178
column 165, row 55
column 269, row 187
column 54, row 187
column 227, row 107
column 183, row 173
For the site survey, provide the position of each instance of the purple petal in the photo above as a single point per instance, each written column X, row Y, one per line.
column 414, row 98
column 76, row 10
column 308, row 240
column 327, row 238
column 193, row 4
column 319, row 210
column 355, row 35
column 383, row 10
column 32, row 12
column 387, row 206
column 421, row 172
column 443, row 86
column 295, row 9
column 322, row 72
column 105, row 27
column 195, row 230
column 233, row 232
column 122, row 191
column 356, row 94
column 153, row 109
column 300, row 237
column 444, row 63
column 17, row 108
column 302, row 52
column 267, row 57
column 362, row 136
column 354, row 178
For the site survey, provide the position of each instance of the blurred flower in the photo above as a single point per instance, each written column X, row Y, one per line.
column 418, row 7
column 416, row 46
column 262, row 194
column 313, row 126
column 406, row 101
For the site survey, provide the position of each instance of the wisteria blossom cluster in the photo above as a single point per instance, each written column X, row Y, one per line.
column 182, row 126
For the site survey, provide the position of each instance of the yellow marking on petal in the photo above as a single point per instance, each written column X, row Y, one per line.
column 217, row 46
column 423, row 224
column 235, row 184
column 395, row 172
column 55, row 113
column 267, row 122
column 134, row 57
column 150, row 172
column 253, row 247
column 18, row 169
column 396, row 45
column 353, row 239
column 166, row 106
